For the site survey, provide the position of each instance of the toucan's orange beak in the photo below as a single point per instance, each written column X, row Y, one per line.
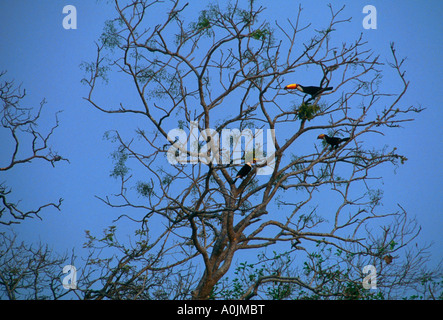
column 291, row 86
column 321, row 136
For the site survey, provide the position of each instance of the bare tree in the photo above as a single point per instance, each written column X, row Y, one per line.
column 29, row 272
column 227, row 69
column 27, row 143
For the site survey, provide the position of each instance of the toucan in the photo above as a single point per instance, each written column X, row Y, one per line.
column 332, row 141
column 243, row 172
column 312, row 90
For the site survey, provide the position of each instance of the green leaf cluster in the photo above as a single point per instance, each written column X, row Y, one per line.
column 307, row 111
column 120, row 169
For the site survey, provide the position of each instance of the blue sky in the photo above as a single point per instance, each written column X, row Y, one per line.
column 40, row 54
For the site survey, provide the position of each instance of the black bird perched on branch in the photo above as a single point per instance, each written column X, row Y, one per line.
column 332, row 141
column 243, row 172
column 312, row 90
